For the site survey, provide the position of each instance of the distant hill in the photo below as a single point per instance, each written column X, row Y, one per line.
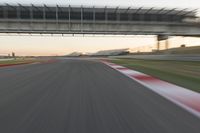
column 112, row 52
column 75, row 54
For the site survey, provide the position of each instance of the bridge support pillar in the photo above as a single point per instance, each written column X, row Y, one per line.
column 166, row 44
column 158, row 45
column 162, row 38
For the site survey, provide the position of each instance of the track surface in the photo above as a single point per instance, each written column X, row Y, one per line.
column 79, row 96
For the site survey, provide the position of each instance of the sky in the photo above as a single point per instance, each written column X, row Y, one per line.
column 57, row 45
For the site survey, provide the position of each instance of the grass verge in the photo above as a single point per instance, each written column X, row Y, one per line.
column 182, row 73
column 16, row 62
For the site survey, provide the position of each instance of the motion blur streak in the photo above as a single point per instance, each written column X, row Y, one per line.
column 80, row 96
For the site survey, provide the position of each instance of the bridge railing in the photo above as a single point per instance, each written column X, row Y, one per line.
column 69, row 13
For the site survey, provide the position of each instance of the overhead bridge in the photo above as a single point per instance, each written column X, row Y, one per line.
column 45, row 19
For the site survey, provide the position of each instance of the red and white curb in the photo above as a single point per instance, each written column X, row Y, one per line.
column 183, row 97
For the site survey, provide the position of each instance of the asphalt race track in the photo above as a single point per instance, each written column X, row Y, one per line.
column 80, row 96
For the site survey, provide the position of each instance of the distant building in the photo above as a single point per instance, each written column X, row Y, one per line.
column 75, row 54
column 112, row 52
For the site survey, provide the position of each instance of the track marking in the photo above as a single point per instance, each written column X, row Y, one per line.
column 185, row 98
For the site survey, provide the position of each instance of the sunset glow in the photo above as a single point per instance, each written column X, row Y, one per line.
column 58, row 45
